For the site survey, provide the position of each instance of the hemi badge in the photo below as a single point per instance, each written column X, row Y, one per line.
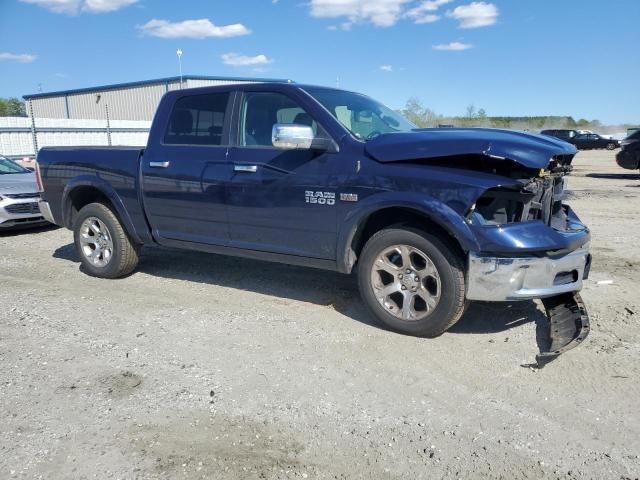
column 349, row 197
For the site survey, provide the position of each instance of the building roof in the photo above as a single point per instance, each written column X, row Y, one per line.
column 117, row 86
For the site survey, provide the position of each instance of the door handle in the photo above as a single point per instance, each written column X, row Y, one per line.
column 159, row 164
column 246, row 168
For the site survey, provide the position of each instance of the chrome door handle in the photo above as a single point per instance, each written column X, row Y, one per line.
column 159, row 164
column 246, row 168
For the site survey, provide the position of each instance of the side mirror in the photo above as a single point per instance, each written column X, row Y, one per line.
column 292, row 136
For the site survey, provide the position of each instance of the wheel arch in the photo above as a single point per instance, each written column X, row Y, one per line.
column 82, row 192
column 428, row 215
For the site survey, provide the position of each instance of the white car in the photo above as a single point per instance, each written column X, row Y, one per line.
column 18, row 196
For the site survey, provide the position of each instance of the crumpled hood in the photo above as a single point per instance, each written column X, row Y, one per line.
column 529, row 150
column 14, row 183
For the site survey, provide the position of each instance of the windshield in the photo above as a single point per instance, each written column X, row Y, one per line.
column 362, row 116
column 8, row 166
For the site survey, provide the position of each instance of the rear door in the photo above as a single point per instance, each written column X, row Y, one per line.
column 282, row 201
column 184, row 177
column 582, row 141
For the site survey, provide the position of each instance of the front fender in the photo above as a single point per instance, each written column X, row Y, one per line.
column 108, row 191
column 429, row 207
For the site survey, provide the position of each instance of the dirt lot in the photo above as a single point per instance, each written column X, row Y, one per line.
column 201, row 366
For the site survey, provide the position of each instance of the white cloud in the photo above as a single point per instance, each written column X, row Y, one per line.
column 199, row 29
column 476, row 14
column 73, row 7
column 236, row 60
column 17, row 57
column 427, row 18
column 104, row 6
column 346, row 26
column 425, row 12
column 382, row 13
column 453, row 46
column 386, row 68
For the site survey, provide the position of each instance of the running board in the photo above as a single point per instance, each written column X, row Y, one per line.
column 568, row 326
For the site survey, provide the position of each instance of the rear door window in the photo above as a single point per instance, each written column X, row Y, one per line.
column 198, row 120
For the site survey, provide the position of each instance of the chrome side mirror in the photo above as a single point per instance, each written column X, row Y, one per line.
column 292, row 136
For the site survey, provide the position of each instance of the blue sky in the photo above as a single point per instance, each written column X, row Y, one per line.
column 511, row 57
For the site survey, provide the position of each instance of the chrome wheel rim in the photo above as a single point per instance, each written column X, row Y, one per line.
column 96, row 242
column 406, row 282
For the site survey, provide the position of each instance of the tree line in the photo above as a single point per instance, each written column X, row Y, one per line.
column 416, row 112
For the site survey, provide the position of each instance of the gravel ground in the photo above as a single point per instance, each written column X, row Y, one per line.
column 203, row 366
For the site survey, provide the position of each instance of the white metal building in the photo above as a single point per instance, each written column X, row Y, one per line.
column 124, row 101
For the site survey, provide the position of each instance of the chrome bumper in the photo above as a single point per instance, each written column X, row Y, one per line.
column 496, row 279
column 45, row 211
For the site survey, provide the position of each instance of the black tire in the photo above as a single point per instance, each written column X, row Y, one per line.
column 611, row 146
column 124, row 255
column 449, row 265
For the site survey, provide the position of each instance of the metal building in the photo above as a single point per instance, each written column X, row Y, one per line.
column 124, row 101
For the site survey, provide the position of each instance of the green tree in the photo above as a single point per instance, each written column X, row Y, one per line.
column 12, row 107
column 417, row 113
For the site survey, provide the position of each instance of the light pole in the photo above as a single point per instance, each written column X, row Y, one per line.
column 179, row 53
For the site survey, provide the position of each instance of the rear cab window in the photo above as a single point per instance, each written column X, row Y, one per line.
column 198, row 120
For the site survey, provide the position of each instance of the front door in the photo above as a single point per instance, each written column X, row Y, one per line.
column 281, row 201
column 184, row 178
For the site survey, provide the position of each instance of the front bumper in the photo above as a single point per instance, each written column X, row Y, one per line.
column 16, row 212
column 495, row 279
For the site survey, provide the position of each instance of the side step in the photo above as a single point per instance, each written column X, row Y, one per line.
column 568, row 325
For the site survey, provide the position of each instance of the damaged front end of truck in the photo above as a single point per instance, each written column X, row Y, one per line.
column 531, row 245
column 555, row 276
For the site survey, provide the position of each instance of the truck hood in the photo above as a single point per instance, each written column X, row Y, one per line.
column 529, row 150
column 15, row 183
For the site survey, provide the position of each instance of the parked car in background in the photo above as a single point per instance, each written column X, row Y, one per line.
column 629, row 156
column 18, row 196
column 591, row 141
column 562, row 134
column 583, row 140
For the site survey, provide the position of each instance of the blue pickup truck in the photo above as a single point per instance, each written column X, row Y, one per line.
column 430, row 218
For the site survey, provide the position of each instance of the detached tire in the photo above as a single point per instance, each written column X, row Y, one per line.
column 412, row 282
column 104, row 248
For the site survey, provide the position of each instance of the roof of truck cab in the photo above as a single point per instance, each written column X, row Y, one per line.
column 279, row 84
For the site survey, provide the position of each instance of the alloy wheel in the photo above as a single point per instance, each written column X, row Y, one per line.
column 406, row 282
column 96, row 242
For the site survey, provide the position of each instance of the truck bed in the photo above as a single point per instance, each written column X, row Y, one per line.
column 114, row 169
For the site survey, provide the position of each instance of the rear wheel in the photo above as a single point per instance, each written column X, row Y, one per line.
column 104, row 248
column 412, row 282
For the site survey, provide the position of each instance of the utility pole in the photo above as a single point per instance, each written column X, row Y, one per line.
column 179, row 53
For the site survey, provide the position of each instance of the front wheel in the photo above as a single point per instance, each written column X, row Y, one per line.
column 611, row 146
column 412, row 282
column 105, row 249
